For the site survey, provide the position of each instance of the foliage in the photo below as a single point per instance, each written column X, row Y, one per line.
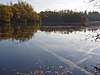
column 19, row 12
column 5, row 13
column 94, row 16
column 23, row 12
column 19, row 31
column 62, row 16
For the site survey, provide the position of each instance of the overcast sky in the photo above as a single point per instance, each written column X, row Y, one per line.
column 39, row 5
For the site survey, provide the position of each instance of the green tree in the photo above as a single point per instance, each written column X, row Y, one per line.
column 23, row 12
column 19, row 12
column 62, row 16
column 5, row 13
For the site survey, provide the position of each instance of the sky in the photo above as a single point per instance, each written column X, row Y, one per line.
column 41, row 5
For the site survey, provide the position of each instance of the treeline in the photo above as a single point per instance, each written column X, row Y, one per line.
column 62, row 16
column 93, row 16
column 19, row 12
column 24, row 12
column 69, row 16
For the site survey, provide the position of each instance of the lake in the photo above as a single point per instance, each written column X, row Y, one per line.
column 49, row 50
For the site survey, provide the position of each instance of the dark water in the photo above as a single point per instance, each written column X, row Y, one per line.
column 49, row 50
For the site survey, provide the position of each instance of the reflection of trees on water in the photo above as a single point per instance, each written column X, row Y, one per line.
column 19, row 32
column 60, row 29
column 94, row 69
column 94, row 34
column 24, row 32
column 92, row 37
column 67, row 29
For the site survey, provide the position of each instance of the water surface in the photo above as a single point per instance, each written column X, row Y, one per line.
column 49, row 50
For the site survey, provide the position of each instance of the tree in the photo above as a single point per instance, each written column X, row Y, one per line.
column 95, row 2
column 5, row 13
column 19, row 12
column 94, row 16
column 23, row 12
column 61, row 16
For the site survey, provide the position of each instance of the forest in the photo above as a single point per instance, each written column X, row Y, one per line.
column 69, row 16
column 24, row 12
column 62, row 16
